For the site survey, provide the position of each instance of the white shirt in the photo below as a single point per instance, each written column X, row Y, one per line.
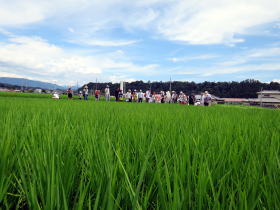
column 128, row 95
column 86, row 91
column 168, row 95
column 140, row 95
column 107, row 91
column 148, row 94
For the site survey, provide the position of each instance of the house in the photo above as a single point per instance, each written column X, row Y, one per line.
column 269, row 94
column 37, row 90
column 266, row 98
column 4, row 89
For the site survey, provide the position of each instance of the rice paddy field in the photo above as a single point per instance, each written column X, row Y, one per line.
column 61, row 154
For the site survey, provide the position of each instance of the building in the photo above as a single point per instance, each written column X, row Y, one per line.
column 37, row 90
column 269, row 94
column 234, row 101
column 266, row 98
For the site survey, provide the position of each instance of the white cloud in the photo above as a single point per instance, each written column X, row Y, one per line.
column 117, row 79
column 71, row 30
column 39, row 57
column 192, row 21
column 276, row 80
column 214, row 21
column 35, row 58
column 107, row 43
column 190, row 58
column 233, row 62
column 244, row 68
column 238, row 63
column 264, row 54
column 19, row 12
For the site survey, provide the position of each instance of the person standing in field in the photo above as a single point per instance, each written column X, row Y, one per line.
column 183, row 99
column 207, row 99
column 85, row 92
column 107, row 93
column 168, row 97
column 152, row 97
column 147, row 95
column 174, row 97
column 158, row 98
column 70, row 93
column 134, row 96
column 117, row 92
column 140, row 96
column 162, row 94
column 97, row 95
column 128, row 96
column 120, row 95
column 192, row 99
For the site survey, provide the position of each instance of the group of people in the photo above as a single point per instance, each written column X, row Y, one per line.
column 140, row 96
column 162, row 97
column 83, row 94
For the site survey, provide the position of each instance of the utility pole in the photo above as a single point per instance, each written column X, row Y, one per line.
column 170, row 85
column 124, row 87
column 261, row 96
column 96, row 84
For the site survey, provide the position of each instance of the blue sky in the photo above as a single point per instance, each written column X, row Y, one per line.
column 70, row 41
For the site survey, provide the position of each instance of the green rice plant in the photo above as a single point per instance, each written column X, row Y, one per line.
column 72, row 154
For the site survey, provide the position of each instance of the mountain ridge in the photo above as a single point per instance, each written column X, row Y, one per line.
column 29, row 83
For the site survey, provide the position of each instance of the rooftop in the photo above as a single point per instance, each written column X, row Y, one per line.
column 234, row 99
column 269, row 92
column 264, row 100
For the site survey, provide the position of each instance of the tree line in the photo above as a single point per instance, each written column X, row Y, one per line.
column 244, row 89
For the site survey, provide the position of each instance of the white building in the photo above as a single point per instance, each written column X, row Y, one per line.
column 269, row 94
column 268, row 98
column 37, row 91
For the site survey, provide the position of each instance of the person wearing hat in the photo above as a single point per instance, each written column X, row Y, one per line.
column 107, row 93
column 85, row 91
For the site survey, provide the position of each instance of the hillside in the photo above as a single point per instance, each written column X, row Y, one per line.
column 29, row 83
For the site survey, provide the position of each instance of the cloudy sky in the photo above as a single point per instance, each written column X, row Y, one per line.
column 70, row 41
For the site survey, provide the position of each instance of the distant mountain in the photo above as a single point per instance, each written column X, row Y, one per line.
column 29, row 83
